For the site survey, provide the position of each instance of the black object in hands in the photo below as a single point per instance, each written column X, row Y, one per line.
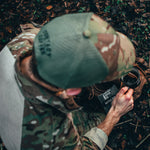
column 103, row 101
column 107, row 97
column 131, row 80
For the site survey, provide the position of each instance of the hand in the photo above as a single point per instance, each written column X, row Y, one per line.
column 123, row 102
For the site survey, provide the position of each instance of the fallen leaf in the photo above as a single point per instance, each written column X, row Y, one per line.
column 49, row 7
column 9, row 29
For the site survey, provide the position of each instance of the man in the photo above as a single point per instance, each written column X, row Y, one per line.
column 69, row 54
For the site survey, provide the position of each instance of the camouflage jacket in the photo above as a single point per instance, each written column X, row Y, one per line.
column 45, row 121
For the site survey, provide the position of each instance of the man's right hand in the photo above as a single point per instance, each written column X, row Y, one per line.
column 123, row 102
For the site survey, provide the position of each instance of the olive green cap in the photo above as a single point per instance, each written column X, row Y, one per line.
column 68, row 53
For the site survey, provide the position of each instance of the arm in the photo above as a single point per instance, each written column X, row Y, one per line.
column 122, row 103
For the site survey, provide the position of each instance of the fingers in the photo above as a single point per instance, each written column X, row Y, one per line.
column 129, row 94
column 131, row 102
column 130, row 107
column 122, row 91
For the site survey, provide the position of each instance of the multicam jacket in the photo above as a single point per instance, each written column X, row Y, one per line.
column 32, row 117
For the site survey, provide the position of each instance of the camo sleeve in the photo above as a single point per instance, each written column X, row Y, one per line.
column 23, row 42
column 44, row 127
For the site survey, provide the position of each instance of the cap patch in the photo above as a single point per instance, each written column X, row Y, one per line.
column 44, row 43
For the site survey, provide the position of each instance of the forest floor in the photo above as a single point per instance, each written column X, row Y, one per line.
column 129, row 17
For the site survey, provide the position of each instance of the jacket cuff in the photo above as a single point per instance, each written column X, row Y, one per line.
column 98, row 136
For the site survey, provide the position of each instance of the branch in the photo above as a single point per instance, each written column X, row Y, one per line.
column 142, row 141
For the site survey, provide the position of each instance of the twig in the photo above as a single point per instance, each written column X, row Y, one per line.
column 136, row 126
column 149, row 59
column 65, row 4
column 97, row 6
column 139, row 125
column 78, row 4
column 118, row 124
column 143, row 140
column 108, row 148
column 20, row 4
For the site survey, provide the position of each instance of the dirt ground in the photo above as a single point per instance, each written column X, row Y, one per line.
column 129, row 17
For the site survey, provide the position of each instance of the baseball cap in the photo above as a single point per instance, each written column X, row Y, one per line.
column 79, row 50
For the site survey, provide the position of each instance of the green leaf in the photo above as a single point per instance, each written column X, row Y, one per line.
column 82, row 9
column 146, row 29
column 34, row 12
column 3, row 41
column 107, row 9
column 39, row 1
column 119, row 1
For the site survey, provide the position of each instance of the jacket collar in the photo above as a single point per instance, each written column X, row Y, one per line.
column 35, row 89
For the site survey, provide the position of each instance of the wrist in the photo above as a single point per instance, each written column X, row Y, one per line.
column 113, row 115
column 111, row 119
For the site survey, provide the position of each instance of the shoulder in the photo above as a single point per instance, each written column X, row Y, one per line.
column 23, row 42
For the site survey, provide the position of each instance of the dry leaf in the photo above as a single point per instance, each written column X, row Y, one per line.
column 49, row 7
